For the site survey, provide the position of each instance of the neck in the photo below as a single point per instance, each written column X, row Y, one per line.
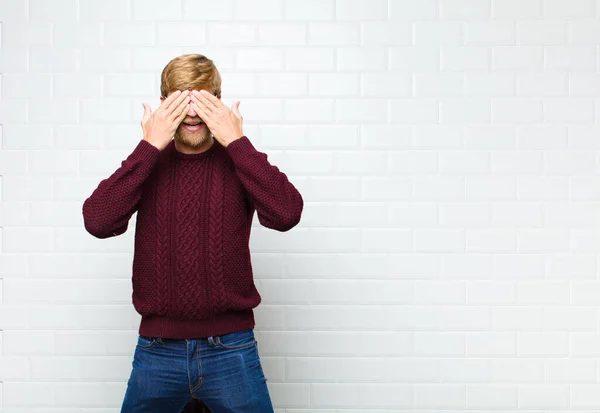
column 188, row 150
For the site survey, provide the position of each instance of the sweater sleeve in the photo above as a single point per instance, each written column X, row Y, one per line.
column 107, row 211
column 277, row 202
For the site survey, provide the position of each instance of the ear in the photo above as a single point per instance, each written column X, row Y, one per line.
column 162, row 98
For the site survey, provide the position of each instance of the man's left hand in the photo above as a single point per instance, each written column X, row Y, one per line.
column 224, row 123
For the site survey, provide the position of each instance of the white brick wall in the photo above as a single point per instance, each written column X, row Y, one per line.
column 448, row 154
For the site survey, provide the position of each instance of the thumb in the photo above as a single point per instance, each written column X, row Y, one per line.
column 147, row 113
column 236, row 109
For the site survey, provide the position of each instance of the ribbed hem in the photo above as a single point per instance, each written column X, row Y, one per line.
column 226, row 323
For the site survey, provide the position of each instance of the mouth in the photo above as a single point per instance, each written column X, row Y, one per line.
column 193, row 126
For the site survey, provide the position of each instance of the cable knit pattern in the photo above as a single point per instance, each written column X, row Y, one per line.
column 192, row 271
column 190, row 175
column 162, row 219
column 215, row 242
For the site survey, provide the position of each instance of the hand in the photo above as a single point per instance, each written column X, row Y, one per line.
column 224, row 123
column 160, row 126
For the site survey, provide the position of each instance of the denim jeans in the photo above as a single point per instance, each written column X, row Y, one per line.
column 224, row 372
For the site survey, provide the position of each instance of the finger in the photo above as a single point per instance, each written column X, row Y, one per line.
column 211, row 98
column 209, row 104
column 147, row 113
column 202, row 112
column 201, row 105
column 174, row 105
column 236, row 109
column 165, row 103
column 182, row 115
column 181, row 110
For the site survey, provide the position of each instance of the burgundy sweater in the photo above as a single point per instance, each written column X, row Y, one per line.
column 192, row 273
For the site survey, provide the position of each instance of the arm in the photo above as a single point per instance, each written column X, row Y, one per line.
column 107, row 211
column 278, row 203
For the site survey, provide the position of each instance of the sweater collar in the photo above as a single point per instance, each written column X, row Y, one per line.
column 201, row 155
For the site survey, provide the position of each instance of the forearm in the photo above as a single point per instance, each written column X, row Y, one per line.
column 278, row 203
column 107, row 211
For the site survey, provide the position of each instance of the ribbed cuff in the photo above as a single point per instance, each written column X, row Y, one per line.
column 145, row 151
column 240, row 147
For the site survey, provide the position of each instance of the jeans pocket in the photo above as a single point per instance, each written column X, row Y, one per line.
column 145, row 342
column 236, row 341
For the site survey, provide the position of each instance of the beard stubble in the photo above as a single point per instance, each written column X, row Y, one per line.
column 192, row 140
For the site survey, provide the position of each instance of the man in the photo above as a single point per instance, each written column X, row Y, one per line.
column 195, row 181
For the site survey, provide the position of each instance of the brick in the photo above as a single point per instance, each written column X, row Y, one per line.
column 428, row 85
column 289, row 34
column 307, row 59
column 73, row 86
column 362, row 59
column 360, row 10
column 545, row 33
column 259, row 59
column 258, row 10
column 156, row 10
column 181, row 34
column 110, row 10
column 128, row 34
column 334, row 34
column 25, row 34
column 26, row 85
column 232, row 34
column 309, row 10
column 487, row 33
column 408, row 10
column 463, row 9
column 281, row 84
column 385, row 84
column 13, row 59
column 576, row 9
column 78, row 35
column 60, row 11
column 573, row 58
column 517, row 9
column 361, row 110
column 440, row 396
column 466, row 59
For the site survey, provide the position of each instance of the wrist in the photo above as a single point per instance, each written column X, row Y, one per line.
column 158, row 144
column 227, row 141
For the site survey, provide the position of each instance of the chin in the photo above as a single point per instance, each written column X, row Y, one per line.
column 192, row 141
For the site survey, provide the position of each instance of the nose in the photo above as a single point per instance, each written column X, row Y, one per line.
column 191, row 112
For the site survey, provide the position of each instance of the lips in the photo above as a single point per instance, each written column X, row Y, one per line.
column 193, row 127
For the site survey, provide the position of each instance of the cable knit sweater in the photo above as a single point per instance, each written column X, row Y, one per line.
column 192, row 273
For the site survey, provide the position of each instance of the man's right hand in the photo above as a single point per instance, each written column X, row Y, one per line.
column 160, row 126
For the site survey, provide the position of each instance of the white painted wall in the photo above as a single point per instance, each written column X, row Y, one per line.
column 448, row 154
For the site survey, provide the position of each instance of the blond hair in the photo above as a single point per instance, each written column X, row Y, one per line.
column 190, row 72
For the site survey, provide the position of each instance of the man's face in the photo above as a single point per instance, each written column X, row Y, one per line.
column 192, row 132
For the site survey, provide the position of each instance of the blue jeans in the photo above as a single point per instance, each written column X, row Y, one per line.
column 224, row 372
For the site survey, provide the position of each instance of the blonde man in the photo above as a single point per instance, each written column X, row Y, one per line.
column 195, row 181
